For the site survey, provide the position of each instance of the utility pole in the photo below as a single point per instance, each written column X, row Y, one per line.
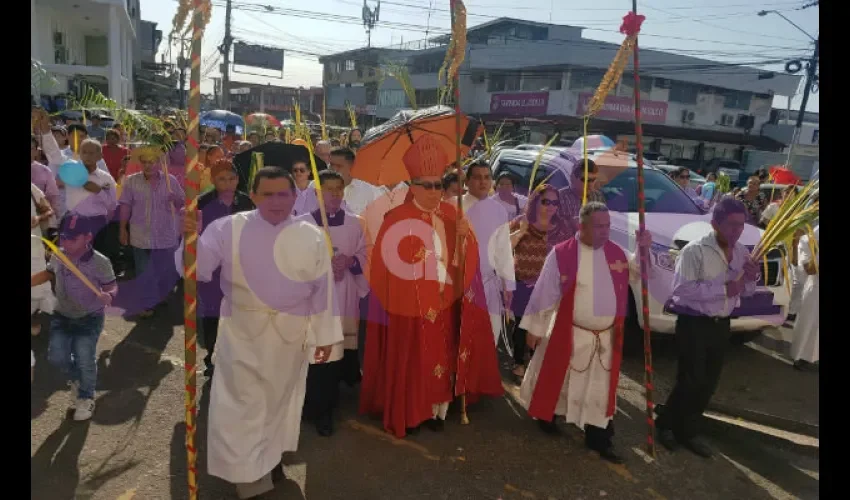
column 225, row 50
column 182, row 63
column 811, row 71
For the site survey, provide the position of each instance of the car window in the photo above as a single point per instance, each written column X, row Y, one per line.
column 521, row 170
column 661, row 193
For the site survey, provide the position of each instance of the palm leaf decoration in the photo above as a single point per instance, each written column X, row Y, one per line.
column 797, row 213
column 144, row 128
column 399, row 72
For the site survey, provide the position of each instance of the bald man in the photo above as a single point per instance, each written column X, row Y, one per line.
column 323, row 151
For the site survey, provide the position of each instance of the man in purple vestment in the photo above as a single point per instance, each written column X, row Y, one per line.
column 223, row 201
column 349, row 243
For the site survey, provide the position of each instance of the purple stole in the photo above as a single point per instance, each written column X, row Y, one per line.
column 556, row 361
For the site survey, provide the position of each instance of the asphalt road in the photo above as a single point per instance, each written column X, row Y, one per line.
column 134, row 445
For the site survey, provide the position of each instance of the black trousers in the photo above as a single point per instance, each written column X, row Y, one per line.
column 701, row 343
column 106, row 242
column 322, row 390
column 518, row 337
column 350, row 367
column 210, row 326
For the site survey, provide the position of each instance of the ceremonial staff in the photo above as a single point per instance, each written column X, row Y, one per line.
column 200, row 16
column 633, row 29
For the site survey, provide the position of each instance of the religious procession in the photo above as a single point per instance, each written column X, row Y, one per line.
column 228, row 306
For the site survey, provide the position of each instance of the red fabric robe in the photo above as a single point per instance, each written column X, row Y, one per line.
column 556, row 362
column 413, row 349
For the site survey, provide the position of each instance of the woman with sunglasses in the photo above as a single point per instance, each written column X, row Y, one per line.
column 533, row 235
column 301, row 172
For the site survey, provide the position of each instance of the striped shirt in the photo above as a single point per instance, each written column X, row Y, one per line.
column 570, row 205
column 152, row 207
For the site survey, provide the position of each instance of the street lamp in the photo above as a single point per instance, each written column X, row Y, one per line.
column 763, row 13
column 811, row 70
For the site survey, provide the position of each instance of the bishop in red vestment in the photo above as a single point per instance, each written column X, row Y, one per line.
column 418, row 357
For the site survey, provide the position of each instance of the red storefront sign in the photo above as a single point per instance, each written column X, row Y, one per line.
column 519, row 103
column 622, row 108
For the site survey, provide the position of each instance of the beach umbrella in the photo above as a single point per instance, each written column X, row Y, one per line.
column 220, row 119
column 780, row 174
column 594, row 142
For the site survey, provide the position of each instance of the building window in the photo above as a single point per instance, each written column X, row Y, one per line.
column 815, row 136
column 349, row 65
column 394, row 99
column 683, row 93
column 586, row 78
column 503, row 82
column 627, row 86
column 427, row 97
column 737, row 100
column 542, row 81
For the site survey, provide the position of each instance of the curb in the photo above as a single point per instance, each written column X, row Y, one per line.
column 766, row 419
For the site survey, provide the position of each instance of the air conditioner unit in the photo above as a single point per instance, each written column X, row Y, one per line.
column 688, row 116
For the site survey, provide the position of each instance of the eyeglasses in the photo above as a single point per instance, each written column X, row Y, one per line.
column 300, row 170
column 549, row 203
column 685, row 176
column 589, row 179
column 429, row 186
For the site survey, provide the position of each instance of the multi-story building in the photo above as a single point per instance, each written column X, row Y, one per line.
column 247, row 98
column 541, row 77
column 86, row 43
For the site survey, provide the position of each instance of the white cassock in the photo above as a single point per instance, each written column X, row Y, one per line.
column 348, row 238
column 584, row 397
column 805, row 345
column 262, row 353
column 489, row 221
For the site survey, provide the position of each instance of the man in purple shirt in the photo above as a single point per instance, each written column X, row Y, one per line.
column 712, row 274
column 150, row 204
column 43, row 177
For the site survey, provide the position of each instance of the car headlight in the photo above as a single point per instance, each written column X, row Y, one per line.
column 663, row 256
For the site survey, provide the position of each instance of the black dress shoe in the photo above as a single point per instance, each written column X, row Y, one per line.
column 325, row 426
column 610, row 455
column 436, row 424
column 666, row 438
column 549, row 427
column 697, row 447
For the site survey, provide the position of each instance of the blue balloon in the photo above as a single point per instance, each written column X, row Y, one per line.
column 73, row 173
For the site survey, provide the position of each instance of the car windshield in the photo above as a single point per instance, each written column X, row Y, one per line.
column 661, row 193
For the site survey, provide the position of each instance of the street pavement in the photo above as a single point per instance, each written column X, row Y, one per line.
column 134, row 446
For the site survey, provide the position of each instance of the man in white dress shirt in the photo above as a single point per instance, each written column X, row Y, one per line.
column 489, row 221
column 358, row 194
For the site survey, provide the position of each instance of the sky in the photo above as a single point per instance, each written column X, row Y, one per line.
column 718, row 30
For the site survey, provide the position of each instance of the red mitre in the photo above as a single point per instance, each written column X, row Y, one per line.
column 425, row 158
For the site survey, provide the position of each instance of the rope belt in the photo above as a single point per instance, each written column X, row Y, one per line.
column 271, row 314
column 598, row 350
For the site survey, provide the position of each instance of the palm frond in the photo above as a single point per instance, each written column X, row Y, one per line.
column 796, row 213
column 400, row 73
column 539, row 159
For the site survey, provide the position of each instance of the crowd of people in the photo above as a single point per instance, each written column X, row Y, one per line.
column 307, row 283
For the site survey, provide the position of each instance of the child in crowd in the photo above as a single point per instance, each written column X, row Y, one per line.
column 79, row 312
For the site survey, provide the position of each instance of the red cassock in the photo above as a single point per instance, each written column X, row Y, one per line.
column 414, row 351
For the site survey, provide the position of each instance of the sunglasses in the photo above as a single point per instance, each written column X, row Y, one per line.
column 429, row 186
column 685, row 176
column 300, row 170
column 549, row 203
column 589, row 179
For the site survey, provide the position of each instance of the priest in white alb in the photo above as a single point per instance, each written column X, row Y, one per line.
column 276, row 280
column 805, row 345
column 575, row 319
column 489, row 221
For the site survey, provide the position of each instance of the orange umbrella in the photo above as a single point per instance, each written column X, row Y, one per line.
column 379, row 158
column 261, row 120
